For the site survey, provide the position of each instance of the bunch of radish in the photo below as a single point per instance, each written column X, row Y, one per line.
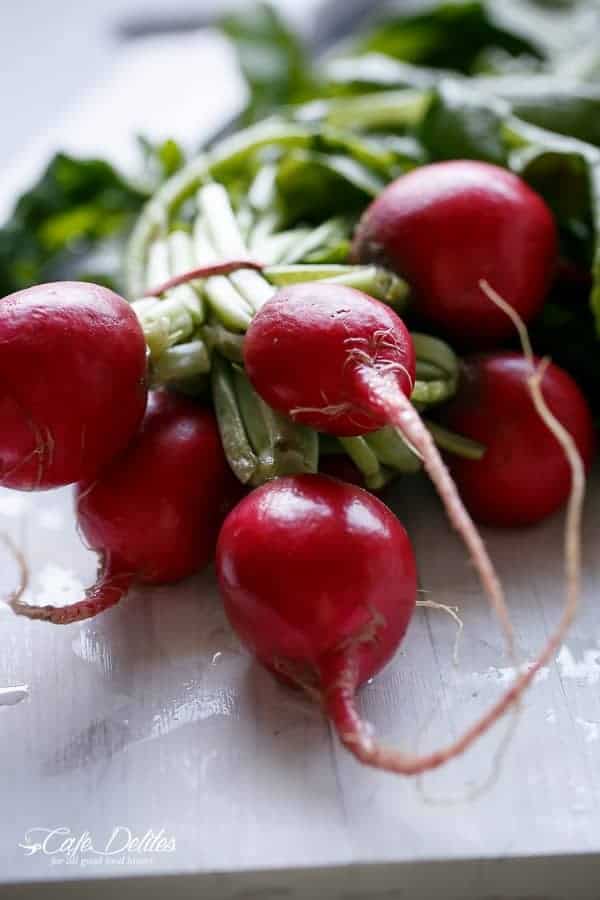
column 318, row 577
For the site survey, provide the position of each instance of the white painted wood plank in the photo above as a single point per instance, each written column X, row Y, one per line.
column 151, row 717
column 546, row 797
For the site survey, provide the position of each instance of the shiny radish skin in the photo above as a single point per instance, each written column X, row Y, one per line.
column 316, row 573
column 338, row 360
column 303, row 356
column 523, row 477
column 72, row 383
column 154, row 514
column 446, row 226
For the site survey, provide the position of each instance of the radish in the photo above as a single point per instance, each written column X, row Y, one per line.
column 447, row 225
column 72, row 383
column 154, row 514
column 523, row 476
column 318, row 580
column 339, row 361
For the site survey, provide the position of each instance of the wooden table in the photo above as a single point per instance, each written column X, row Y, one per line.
column 151, row 718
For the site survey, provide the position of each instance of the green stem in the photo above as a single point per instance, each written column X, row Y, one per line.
column 282, row 447
column 228, row 344
column 281, row 275
column 175, row 318
column 233, row 152
column 223, row 229
column 296, row 448
column 455, row 443
column 365, row 459
column 226, row 302
column 431, row 393
column 262, row 193
column 436, row 353
column 252, row 413
column 273, row 248
column 427, row 371
column 154, row 221
column 157, row 270
column 379, row 283
column 392, row 451
column 181, row 259
column 224, row 160
column 239, row 452
column 181, row 361
column 332, row 229
column 386, row 109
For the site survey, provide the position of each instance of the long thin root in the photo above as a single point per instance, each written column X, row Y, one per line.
column 342, row 677
column 23, row 569
column 227, row 267
column 109, row 589
column 451, row 611
column 403, row 416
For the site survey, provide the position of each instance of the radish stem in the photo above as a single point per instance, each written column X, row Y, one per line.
column 221, row 225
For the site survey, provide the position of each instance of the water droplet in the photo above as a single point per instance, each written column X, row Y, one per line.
column 11, row 696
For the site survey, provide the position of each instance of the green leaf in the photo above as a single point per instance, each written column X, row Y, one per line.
column 313, row 186
column 77, row 204
column 389, row 155
column 161, row 160
column 567, row 174
column 461, row 123
column 452, row 35
column 556, row 104
column 271, row 57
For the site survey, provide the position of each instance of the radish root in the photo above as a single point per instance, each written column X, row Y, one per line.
column 343, row 669
column 23, row 569
column 384, row 392
column 451, row 611
column 110, row 587
column 202, row 272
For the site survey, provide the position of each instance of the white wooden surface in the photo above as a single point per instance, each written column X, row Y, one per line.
column 151, row 718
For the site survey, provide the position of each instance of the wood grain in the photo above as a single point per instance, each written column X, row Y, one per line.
column 151, row 717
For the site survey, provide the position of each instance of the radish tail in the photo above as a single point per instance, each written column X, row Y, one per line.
column 340, row 677
column 202, row 272
column 383, row 393
column 110, row 587
column 356, row 735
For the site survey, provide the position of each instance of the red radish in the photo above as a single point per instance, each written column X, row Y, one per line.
column 337, row 360
column 72, row 383
column 523, row 476
column 445, row 226
column 154, row 513
column 300, row 620
column 318, row 578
